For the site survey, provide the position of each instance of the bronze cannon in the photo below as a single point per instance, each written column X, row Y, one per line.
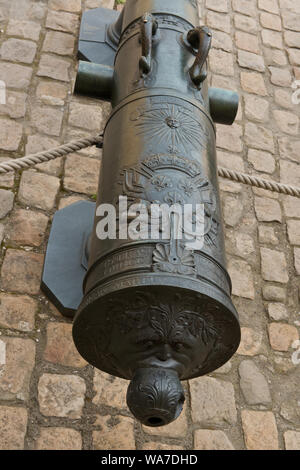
column 152, row 310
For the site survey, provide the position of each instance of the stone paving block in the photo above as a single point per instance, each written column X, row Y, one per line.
column 27, row 227
column 247, row 42
column 274, row 265
column 24, row 29
column 27, row 10
column 73, row 6
column 269, row 5
column 218, row 21
column 221, row 62
column 52, row 93
column 254, row 385
column 246, row 23
column 292, row 39
column 110, row 391
column 60, row 348
column 15, row 106
column 267, row 210
column 38, row 190
column 59, row 43
column 253, row 82
column 262, row 161
column 16, row 365
column 230, row 138
column 53, row 67
column 289, row 173
column 292, row 440
column 260, row 430
column 6, row 202
column 218, row 5
column 256, row 109
column 17, row 312
column 259, row 137
column 251, row 61
column 15, row 76
column 289, row 149
column 284, row 98
column 280, row 77
column 10, row 134
column 61, row 21
column 212, row 402
column 244, row 6
column 86, row 116
column 81, row 174
column 55, row 438
column 294, row 56
column 266, row 235
column 21, row 271
column 291, row 20
column 114, row 436
column 282, row 336
column 293, row 228
column 47, row 120
column 206, row 439
column 287, row 122
column 61, row 395
column 242, row 279
column 13, row 427
column 232, row 210
column 270, row 21
column 18, row 50
column 278, row 311
column 251, row 342
column 222, row 41
column 291, row 207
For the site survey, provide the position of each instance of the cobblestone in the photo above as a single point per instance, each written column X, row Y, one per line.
column 212, row 402
column 21, row 271
column 69, row 405
column 38, row 190
column 16, row 367
column 260, row 430
column 116, row 436
column 59, row 439
column 17, row 312
column 13, row 427
column 206, row 439
column 61, row 395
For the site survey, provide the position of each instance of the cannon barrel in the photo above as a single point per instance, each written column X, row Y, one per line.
column 157, row 309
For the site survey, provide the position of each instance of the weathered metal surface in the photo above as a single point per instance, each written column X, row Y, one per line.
column 153, row 311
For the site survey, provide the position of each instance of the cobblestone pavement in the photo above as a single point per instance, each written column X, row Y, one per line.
column 49, row 397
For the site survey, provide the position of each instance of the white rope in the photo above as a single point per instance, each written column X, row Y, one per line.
column 76, row 145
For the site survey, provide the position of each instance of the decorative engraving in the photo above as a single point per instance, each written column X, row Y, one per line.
column 155, row 396
column 174, row 258
column 172, row 179
column 157, row 326
column 178, row 127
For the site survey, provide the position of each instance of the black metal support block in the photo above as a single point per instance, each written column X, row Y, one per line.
column 66, row 261
column 98, row 39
